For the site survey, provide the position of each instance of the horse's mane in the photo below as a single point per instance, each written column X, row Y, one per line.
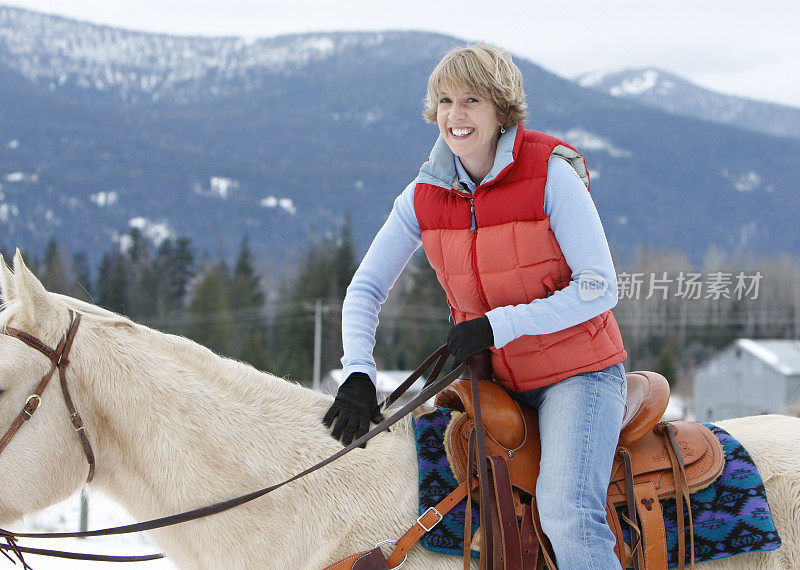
column 178, row 349
column 90, row 309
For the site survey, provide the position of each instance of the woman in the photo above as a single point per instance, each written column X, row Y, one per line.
column 506, row 220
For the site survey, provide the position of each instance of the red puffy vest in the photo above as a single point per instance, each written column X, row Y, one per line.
column 509, row 257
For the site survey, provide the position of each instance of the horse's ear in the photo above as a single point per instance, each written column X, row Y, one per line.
column 35, row 305
column 7, row 292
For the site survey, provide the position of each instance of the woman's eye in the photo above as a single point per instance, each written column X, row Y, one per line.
column 444, row 100
column 473, row 100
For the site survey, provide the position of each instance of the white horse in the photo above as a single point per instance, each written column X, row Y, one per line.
column 175, row 427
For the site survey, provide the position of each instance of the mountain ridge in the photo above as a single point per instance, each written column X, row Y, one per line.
column 285, row 156
column 675, row 94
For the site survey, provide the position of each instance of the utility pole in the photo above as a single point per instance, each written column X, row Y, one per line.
column 315, row 383
column 84, row 517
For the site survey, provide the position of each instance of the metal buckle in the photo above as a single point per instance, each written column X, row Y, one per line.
column 77, row 421
column 419, row 520
column 32, row 397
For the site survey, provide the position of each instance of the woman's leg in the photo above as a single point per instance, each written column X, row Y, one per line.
column 579, row 423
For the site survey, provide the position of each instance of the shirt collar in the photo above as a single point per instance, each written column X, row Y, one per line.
column 443, row 168
column 463, row 176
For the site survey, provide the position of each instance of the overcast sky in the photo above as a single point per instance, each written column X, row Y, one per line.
column 740, row 47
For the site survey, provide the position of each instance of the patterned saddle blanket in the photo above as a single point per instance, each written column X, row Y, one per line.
column 731, row 516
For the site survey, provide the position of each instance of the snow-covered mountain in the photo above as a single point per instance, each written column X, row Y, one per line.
column 133, row 66
column 103, row 129
column 670, row 92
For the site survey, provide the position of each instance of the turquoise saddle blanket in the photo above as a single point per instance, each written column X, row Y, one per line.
column 730, row 517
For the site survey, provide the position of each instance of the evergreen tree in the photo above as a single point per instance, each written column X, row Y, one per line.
column 54, row 273
column 82, row 284
column 324, row 274
column 245, row 287
column 246, row 297
column 666, row 366
column 424, row 321
column 209, row 313
column 181, row 269
column 254, row 350
column 142, row 278
column 112, row 283
column 157, row 278
column 150, row 291
column 138, row 251
column 344, row 263
column 175, row 266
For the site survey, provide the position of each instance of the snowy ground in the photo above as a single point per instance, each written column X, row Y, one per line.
column 65, row 517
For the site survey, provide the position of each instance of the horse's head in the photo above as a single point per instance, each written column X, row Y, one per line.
column 42, row 463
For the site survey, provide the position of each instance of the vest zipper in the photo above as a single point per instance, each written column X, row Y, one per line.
column 481, row 292
column 474, row 228
column 474, row 225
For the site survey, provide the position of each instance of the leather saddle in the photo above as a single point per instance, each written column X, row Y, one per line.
column 654, row 460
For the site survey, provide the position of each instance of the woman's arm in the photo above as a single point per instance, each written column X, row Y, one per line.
column 577, row 227
column 384, row 261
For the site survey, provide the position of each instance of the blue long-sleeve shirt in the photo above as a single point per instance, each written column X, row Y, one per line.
column 573, row 220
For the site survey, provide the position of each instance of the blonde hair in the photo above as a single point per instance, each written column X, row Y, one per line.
column 486, row 70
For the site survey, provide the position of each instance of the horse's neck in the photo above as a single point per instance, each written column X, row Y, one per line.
column 183, row 428
column 179, row 430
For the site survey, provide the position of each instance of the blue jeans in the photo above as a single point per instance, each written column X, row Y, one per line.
column 579, row 423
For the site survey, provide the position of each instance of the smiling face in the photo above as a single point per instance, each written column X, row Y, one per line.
column 468, row 122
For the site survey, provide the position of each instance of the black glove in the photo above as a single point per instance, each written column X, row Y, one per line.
column 355, row 405
column 469, row 337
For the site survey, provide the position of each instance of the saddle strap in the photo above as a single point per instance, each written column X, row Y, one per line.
column 645, row 516
column 509, row 548
column 487, row 508
column 467, row 554
column 527, row 536
column 427, row 521
column 632, row 518
column 616, row 528
column 654, row 539
column 545, row 548
column 681, row 494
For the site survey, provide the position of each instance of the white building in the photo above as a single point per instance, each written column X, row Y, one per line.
column 387, row 382
column 749, row 377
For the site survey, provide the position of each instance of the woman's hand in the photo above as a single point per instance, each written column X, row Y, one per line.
column 355, row 405
column 469, row 337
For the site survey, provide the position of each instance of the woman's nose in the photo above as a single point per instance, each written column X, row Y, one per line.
column 456, row 111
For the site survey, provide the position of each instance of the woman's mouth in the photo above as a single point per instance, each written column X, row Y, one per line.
column 461, row 132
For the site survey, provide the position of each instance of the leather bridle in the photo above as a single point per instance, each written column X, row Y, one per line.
column 59, row 361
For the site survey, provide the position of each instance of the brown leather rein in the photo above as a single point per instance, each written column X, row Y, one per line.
column 59, row 360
